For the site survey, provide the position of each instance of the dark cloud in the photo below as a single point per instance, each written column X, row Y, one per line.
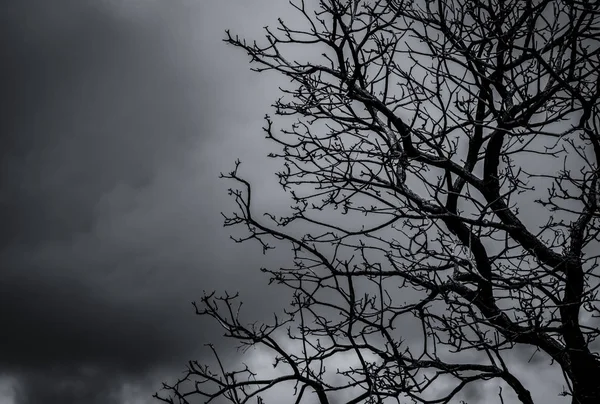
column 87, row 102
column 61, row 320
column 83, row 384
column 109, row 214
column 70, row 387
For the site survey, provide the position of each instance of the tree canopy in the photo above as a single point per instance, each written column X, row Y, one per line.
column 443, row 158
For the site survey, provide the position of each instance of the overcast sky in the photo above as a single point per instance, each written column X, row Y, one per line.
column 116, row 118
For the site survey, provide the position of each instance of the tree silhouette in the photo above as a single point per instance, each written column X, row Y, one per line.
column 444, row 156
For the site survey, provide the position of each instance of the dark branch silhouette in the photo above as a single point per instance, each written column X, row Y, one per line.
column 445, row 155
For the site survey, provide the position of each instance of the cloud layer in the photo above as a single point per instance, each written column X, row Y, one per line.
column 117, row 119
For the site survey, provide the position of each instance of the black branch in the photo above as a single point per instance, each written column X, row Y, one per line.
column 445, row 155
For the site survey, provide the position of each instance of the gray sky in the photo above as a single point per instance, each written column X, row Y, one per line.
column 117, row 117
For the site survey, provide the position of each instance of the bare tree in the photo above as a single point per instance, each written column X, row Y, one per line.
column 445, row 156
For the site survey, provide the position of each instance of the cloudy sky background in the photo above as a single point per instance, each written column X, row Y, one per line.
column 117, row 117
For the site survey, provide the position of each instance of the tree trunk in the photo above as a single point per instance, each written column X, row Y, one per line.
column 586, row 379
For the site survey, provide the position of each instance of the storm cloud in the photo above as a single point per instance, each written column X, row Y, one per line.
column 117, row 117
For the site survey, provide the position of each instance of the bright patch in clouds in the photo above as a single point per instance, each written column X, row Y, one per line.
column 7, row 390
